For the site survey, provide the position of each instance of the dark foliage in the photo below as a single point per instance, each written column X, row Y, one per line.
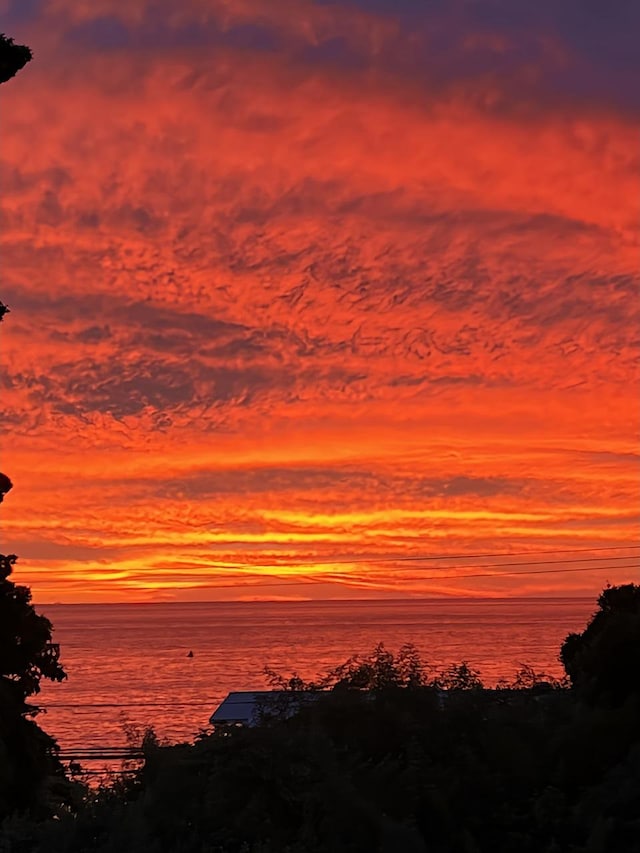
column 28, row 756
column 603, row 662
column 13, row 57
column 490, row 771
column 393, row 757
column 27, row 653
column 5, row 486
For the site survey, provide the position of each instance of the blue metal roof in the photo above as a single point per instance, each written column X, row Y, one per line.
column 250, row 707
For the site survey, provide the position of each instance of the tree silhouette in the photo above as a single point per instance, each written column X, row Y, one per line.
column 26, row 651
column 28, row 756
column 603, row 662
column 13, row 57
column 378, row 670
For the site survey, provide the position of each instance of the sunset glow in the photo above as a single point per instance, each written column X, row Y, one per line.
column 317, row 300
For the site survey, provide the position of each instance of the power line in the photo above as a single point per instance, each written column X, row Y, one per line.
column 548, row 562
column 432, row 557
column 273, row 571
column 499, row 575
column 450, row 557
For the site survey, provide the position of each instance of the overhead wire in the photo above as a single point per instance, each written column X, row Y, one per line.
column 547, row 562
column 273, row 570
column 434, row 557
column 499, row 574
column 535, row 553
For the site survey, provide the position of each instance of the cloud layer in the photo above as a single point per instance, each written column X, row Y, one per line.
column 298, row 292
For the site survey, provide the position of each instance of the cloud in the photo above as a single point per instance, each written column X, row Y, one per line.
column 364, row 259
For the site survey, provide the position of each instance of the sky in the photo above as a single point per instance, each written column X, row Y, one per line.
column 321, row 299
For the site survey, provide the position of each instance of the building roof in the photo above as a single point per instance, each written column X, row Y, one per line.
column 249, row 707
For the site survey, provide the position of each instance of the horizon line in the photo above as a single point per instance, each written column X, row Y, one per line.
column 444, row 597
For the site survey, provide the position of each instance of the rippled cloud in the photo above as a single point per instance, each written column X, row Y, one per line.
column 354, row 260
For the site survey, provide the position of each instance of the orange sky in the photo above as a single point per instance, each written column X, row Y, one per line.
column 300, row 291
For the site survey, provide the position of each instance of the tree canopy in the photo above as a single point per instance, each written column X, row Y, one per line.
column 13, row 57
column 27, row 653
column 28, row 755
column 603, row 661
column 386, row 766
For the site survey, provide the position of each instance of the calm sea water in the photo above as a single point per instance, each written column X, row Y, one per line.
column 129, row 663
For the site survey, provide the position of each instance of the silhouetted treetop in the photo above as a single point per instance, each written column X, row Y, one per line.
column 603, row 662
column 13, row 57
column 5, row 486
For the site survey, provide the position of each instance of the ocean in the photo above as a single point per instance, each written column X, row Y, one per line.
column 129, row 665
